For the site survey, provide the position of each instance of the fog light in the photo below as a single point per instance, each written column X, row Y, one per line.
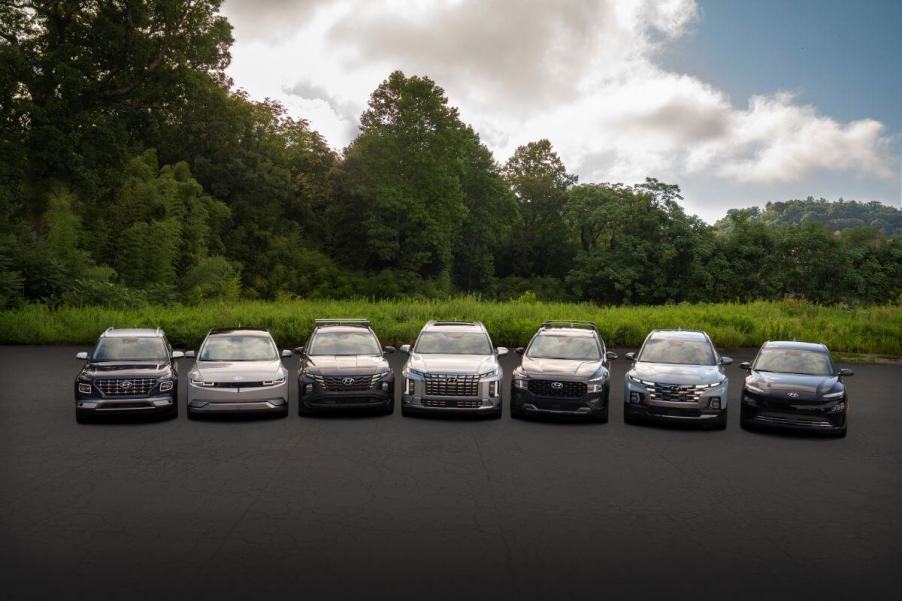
column 87, row 405
column 166, row 386
column 162, row 403
column 84, row 388
column 635, row 397
column 385, row 386
column 714, row 402
column 308, row 388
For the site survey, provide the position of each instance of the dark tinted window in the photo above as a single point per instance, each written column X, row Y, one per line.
column 238, row 348
column 794, row 361
column 548, row 346
column 344, row 343
column 130, row 349
column 677, row 350
column 453, row 343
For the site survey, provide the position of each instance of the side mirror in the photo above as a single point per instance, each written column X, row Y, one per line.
column 502, row 351
column 298, row 350
column 82, row 355
column 846, row 372
column 286, row 353
column 190, row 354
column 611, row 355
column 746, row 366
column 726, row 360
column 177, row 354
column 520, row 350
column 405, row 348
column 631, row 356
column 389, row 350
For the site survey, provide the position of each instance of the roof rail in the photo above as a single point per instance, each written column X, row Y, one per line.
column 343, row 321
column 222, row 330
column 564, row 323
column 453, row 322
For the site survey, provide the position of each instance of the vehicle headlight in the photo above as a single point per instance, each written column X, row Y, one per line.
column 415, row 373
column 832, row 396
column 275, row 382
column 489, row 374
column 197, row 382
column 597, row 384
column 165, row 385
column 84, row 388
column 636, row 380
column 754, row 389
column 714, row 384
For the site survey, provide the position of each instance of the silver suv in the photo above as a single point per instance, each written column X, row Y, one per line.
column 452, row 368
column 677, row 376
column 238, row 370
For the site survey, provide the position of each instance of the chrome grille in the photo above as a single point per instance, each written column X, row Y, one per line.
column 557, row 388
column 125, row 386
column 452, row 385
column 347, row 383
column 676, row 393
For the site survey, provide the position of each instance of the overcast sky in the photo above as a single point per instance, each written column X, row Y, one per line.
column 739, row 103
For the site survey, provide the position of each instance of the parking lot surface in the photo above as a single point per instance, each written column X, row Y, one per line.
column 397, row 508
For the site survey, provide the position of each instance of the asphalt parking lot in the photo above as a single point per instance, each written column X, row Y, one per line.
column 391, row 507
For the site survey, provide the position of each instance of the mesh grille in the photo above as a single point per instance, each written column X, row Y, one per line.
column 347, row 383
column 558, row 389
column 125, row 386
column 452, row 385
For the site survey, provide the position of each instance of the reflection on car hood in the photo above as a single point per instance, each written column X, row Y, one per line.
column 559, row 367
column 130, row 369
column 452, row 364
column 807, row 385
column 250, row 371
column 677, row 374
column 347, row 364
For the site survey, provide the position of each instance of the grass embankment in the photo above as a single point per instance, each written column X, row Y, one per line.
column 871, row 330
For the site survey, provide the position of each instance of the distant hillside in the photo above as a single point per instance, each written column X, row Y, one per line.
column 839, row 215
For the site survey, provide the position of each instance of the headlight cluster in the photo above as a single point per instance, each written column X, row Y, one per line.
column 84, row 388
column 165, row 385
column 832, row 396
column 636, row 380
column 275, row 382
column 203, row 383
column 489, row 374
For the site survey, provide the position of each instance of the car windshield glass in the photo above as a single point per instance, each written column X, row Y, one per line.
column 453, row 343
column 130, row 349
column 582, row 348
column 344, row 343
column 794, row 361
column 678, row 351
column 238, row 348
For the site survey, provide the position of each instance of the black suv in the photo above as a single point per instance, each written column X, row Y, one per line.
column 565, row 371
column 343, row 366
column 130, row 371
column 795, row 385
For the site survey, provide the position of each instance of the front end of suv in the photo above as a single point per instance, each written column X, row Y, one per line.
column 117, row 381
column 452, row 369
column 677, row 376
column 564, row 372
column 343, row 367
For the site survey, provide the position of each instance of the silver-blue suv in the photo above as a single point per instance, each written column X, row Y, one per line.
column 677, row 376
column 452, row 368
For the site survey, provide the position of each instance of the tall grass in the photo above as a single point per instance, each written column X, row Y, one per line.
column 856, row 330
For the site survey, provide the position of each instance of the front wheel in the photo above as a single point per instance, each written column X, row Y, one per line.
column 721, row 422
column 629, row 418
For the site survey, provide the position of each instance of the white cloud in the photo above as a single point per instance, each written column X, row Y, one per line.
column 582, row 73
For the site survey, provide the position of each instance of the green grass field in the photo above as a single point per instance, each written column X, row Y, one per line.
column 870, row 330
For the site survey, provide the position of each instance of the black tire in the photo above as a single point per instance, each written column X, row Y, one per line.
column 603, row 419
column 82, row 417
column 515, row 412
column 303, row 411
column 496, row 414
column 405, row 412
column 842, row 433
column 628, row 418
column 721, row 422
column 744, row 421
column 389, row 409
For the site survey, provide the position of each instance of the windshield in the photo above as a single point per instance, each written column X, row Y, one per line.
column 677, row 351
column 344, row 343
column 130, row 349
column 794, row 361
column 453, row 343
column 238, row 348
column 581, row 348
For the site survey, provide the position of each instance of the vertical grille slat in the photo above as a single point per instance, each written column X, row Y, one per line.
column 125, row 386
column 452, row 385
column 558, row 388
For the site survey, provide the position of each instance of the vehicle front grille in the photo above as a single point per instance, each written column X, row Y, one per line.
column 452, row 385
column 557, row 388
column 125, row 386
column 676, row 393
column 452, row 403
column 347, row 383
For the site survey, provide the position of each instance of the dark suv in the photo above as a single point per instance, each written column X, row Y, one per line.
column 565, row 371
column 343, row 366
column 130, row 371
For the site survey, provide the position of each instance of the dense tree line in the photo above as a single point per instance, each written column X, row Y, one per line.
column 132, row 172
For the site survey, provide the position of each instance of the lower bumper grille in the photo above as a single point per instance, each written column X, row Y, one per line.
column 451, row 404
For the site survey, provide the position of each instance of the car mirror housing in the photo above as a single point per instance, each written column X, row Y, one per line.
column 502, row 351
column 298, row 350
column 83, row 356
column 746, row 366
column 631, row 356
column 190, row 354
column 388, row 350
column 286, row 353
column 520, row 350
column 405, row 348
column 177, row 354
column 846, row 372
column 726, row 360
column 611, row 355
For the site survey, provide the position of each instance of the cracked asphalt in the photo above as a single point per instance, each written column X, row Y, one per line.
column 398, row 508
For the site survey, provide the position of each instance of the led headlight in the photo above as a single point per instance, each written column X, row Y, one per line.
column 202, row 383
column 636, row 380
column 274, row 382
column 165, row 385
column 832, row 396
column 489, row 374
column 838, row 408
column 754, row 389
column 84, row 388
column 596, row 385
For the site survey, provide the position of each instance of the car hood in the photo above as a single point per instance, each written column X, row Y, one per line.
column 806, row 387
column 347, row 364
column 559, row 367
column 127, row 370
column 452, row 364
column 677, row 374
column 251, row 371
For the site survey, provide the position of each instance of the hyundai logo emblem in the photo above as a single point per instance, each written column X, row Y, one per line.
column 125, row 384
column 792, row 395
column 452, row 380
column 347, row 381
column 557, row 385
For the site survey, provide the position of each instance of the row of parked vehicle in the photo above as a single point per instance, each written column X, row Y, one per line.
column 453, row 367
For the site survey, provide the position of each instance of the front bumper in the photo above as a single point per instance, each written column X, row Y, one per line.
column 760, row 411
column 591, row 404
column 160, row 403
column 639, row 404
column 415, row 399
column 320, row 400
column 263, row 399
